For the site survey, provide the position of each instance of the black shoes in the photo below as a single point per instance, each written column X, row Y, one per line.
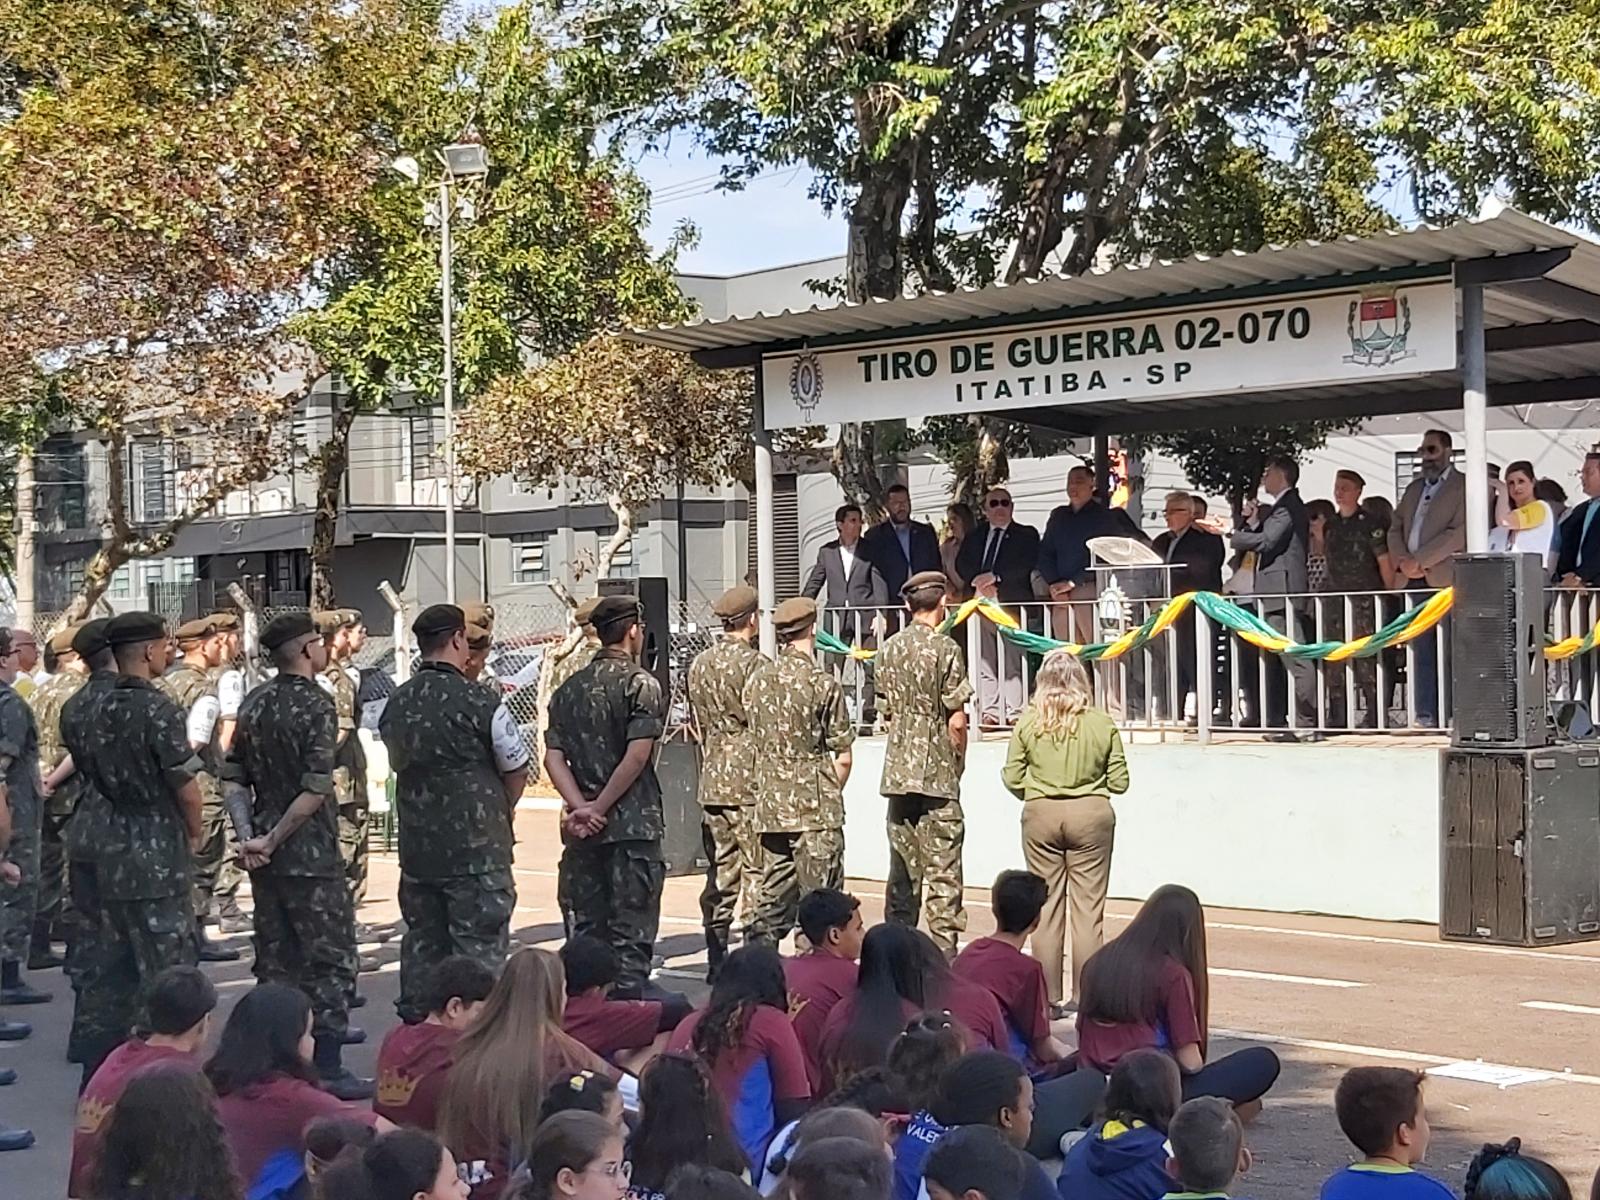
column 354, row 1035
column 23, row 994
column 15, row 1031
column 15, row 1139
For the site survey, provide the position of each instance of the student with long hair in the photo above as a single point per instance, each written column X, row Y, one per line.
column 575, row 1156
column 488, row 1108
column 1148, row 988
column 682, row 1122
column 1064, row 763
column 266, row 1085
column 586, row 1092
column 744, row 1038
column 919, row 1058
column 1124, row 1156
column 164, row 1142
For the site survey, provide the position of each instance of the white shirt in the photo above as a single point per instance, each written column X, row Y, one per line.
column 1429, row 491
column 847, row 555
column 510, row 751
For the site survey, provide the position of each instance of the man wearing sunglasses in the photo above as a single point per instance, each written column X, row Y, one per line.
column 1430, row 526
column 997, row 562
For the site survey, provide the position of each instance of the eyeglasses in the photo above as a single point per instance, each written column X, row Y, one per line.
column 618, row 1172
column 997, row 503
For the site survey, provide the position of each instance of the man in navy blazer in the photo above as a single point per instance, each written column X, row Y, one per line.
column 1578, row 562
column 900, row 547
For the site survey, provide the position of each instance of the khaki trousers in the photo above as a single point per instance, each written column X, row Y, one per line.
column 1068, row 844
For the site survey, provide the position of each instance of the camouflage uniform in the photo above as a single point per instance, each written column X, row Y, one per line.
column 189, row 685
column 1352, row 545
column 569, row 666
column 798, row 720
column 456, row 888
column 350, row 781
column 727, row 776
column 304, row 922
column 921, row 680
column 96, row 1012
column 612, row 881
column 135, row 754
column 47, row 701
column 19, row 746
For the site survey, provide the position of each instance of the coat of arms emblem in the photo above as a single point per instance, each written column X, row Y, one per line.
column 805, row 382
column 1379, row 324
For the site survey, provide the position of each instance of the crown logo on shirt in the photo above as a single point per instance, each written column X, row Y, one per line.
column 92, row 1114
column 395, row 1089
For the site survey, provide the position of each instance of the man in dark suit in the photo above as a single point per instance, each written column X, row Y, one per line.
column 1280, row 549
column 1064, row 557
column 1578, row 562
column 845, row 569
column 900, row 547
column 1196, row 556
column 997, row 561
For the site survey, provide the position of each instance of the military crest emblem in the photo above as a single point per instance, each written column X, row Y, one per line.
column 805, row 382
column 1379, row 324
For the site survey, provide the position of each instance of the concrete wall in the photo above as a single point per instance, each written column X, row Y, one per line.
column 1346, row 830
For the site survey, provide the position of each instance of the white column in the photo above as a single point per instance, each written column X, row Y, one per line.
column 766, row 550
column 1475, row 417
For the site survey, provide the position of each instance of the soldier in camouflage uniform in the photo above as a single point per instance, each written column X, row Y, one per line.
column 341, row 629
column 480, row 640
column 49, row 923
column 135, row 753
column 460, row 766
column 19, row 769
column 798, row 721
column 922, row 691
column 727, row 764
column 280, row 795
column 230, row 694
column 191, row 684
column 599, row 753
column 583, row 653
column 1358, row 557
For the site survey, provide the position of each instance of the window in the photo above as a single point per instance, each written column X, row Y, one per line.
column 151, row 478
column 61, row 490
column 71, row 581
column 530, row 557
column 121, row 585
column 624, row 563
column 1408, row 465
column 426, row 455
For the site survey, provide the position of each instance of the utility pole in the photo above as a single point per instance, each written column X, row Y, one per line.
column 27, row 525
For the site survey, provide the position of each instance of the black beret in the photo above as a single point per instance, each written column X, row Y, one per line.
column 131, row 628
column 613, row 609
column 439, row 618
column 90, row 638
column 286, row 628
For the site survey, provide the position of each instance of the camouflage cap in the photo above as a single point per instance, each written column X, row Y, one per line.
column 479, row 614
column 131, row 628
column 89, row 638
column 925, row 581
column 286, row 628
column 613, row 610
column 225, row 622
column 479, row 637
column 795, row 616
column 197, row 630
column 61, row 640
column 736, row 602
column 584, row 613
column 438, row 618
column 328, row 621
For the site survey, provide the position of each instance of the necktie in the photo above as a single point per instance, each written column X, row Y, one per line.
column 991, row 550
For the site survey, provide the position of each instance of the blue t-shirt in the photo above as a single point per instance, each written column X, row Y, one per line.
column 1381, row 1181
column 911, row 1154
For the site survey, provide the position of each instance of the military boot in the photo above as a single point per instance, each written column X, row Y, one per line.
column 334, row 1077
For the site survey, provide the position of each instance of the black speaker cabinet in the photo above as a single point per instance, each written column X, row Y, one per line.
column 678, row 769
column 651, row 592
column 1497, row 650
column 1520, row 861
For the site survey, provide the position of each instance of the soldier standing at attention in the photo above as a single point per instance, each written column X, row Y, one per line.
column 799, row 723
column 191, row 683
column 923, row 690
column 583, row 653
column 339, row 629
column 280, row 795
column 604, row 723
column 135, row 753
column 19, row 780
column 727, row 765
column 460, row 768
column 49, row 922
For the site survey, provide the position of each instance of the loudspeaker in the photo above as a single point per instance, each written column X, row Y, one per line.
column 678, row 770
column 1520, row 845
column 1497, row 651
column 651, row 592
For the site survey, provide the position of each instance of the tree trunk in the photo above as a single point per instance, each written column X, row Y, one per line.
column 855, row 466
column 332, row 461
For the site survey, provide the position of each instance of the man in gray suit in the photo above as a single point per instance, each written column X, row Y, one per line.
column 844, row 567
column 1280, row 549
column 1429, row 527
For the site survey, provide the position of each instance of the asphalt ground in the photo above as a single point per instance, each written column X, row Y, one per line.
column 1326, row 993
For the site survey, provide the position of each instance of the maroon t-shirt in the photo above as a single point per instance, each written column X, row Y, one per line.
column 268, row 1118
column 816, row 982
column 1016, row 981
column 1102, row 1045
column 412, row 1064
column 978, row 1012
column 610, row 1026
column 101, row 1096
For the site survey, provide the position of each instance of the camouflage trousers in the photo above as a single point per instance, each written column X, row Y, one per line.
column 467, row 914
column 305, row 935
column 18, row 903
column 353, row 821
column 793, row 864
column 925, row 837
column 50, row 917
column 217, row 874
column 732, row 866
column 83, row 953
column 132, row 942
column 613, row 891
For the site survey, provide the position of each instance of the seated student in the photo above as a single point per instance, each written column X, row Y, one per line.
column 1148, row 988
column 330, row 1142
column 989, row 1087
column 584, row 1091
column 414, row 1059
column 163, row 1139
column 574, row 1156
column 826, row 974
column 267, row 1089
column 1124, row 1156
column 918, row 1060
column 975, row 1163
column 410, row 1164
column 1016, row 978
column 681, row 1123
column 179, row 1008
column 744, row 1038
column 1505, row 1173
column 1208, row 1150
column 695, row 1182
column 1381, row 1111
column 628, row 1033
column 875, row 1092
column 839, row 1168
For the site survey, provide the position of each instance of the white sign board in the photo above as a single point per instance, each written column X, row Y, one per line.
column 1255, row 346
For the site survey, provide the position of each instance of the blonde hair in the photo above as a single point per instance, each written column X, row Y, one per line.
column 1061, row 693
